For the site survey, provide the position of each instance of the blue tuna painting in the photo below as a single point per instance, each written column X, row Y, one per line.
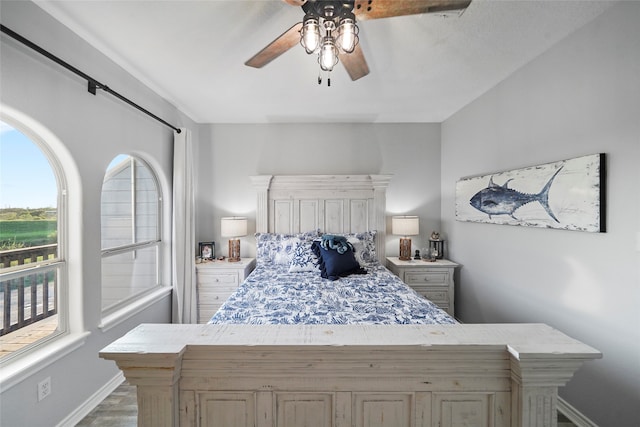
column 502, row 200
column 566, row 194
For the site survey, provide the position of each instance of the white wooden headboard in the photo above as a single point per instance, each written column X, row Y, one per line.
column 329, row 203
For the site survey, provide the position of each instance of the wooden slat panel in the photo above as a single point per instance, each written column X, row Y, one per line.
column 334, row 216
column 187, row 408
column 309, row 215
column 264, row 409
column 423, row 409
column 283, row 216
column 304, row 409
column 343, row 417
column 222, row 409
column 383, row 410
column 460, row 409
column 358, row 216
column 502, row 409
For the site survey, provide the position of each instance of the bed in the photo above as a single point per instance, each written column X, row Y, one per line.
column 314, row 357
column 287, row 287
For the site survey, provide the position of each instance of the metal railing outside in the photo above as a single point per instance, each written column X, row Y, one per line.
column 30, row 295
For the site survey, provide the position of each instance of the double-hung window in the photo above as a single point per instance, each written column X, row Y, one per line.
column 131, row 218
column 32, row 224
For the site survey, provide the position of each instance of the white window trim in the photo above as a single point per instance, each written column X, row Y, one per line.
column 134, row 307
column 20, row 363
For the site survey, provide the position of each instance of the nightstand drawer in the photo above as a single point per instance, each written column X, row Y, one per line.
column 421, row 276
column 207, row 278
column 215, row 295
column 435, row 295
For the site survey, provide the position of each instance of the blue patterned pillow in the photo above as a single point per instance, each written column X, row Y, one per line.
column 278, row 248
column 364, row 246
column 304, row 260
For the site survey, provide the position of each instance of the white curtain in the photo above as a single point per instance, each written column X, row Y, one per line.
column 183, row 255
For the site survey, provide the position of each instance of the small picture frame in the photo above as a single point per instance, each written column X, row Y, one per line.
column 207, row 250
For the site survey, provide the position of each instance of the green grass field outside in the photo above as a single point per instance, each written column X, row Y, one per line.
column 27, row 233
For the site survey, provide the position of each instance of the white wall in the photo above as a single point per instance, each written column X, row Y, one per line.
column 580, row 97
column 91, row 130
column 229, row 154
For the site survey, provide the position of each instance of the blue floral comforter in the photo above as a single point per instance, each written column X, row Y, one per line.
column 273, row 295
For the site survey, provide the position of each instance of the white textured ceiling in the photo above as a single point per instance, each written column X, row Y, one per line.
column 423, row 68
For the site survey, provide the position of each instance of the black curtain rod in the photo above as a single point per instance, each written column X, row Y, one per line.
column 93, row 84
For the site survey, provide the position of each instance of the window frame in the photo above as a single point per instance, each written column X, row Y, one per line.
column 59, row 264
column 137, row 298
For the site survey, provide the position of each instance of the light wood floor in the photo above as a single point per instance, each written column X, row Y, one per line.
column 120, row 409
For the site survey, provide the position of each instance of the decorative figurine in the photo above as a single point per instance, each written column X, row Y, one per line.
column 417, row 255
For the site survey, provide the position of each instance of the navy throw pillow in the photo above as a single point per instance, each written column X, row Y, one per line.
column 334, row 265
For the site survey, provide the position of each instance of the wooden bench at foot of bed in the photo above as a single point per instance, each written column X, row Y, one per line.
column 347, row 375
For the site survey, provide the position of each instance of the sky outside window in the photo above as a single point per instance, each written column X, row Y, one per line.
column 26, row 178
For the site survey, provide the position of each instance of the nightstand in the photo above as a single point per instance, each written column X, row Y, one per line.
column 216, row 281
column 433, row 280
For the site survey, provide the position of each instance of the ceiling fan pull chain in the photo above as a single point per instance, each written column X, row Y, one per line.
column 328, row 78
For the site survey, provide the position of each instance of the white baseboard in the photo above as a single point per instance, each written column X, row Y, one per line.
column 573, row 414
column 83, row 410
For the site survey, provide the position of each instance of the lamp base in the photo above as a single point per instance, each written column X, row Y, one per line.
column 405, row 249
column 234, row 250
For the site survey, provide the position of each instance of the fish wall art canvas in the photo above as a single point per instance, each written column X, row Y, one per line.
column 567, row 194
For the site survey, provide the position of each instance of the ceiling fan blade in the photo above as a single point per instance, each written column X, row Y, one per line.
column 295, row 2
column 283, row 43
column 355, row 63
column 376, row 9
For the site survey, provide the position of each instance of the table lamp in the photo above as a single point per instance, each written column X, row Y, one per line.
column 233, row 227
column 405, row 226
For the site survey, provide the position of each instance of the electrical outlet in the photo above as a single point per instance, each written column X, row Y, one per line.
column 44, row 388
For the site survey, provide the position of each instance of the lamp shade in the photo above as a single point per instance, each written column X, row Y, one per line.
column 234, row 226
column 405, row 225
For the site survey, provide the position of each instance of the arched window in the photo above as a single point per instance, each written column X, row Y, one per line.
column 131, row 218
column 32, row 261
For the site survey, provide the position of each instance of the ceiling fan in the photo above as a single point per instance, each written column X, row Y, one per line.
column 329, row 30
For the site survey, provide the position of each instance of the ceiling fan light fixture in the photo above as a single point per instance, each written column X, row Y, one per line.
column 348, row 34
column 328, row 56
column 310, row 34
column 330, row 28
